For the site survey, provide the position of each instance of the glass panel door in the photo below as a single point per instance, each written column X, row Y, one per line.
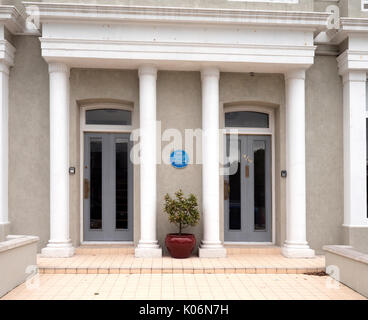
column 259, row 156
column 247, row 202
column 232, row 189
column 108, row 192
column 95, row 184
column 121, row 186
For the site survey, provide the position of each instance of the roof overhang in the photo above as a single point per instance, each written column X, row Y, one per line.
column 348, row 26
column 63, row 12
column 13, row 20
column 117, row 36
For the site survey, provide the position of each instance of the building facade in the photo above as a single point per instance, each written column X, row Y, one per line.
column 275, row 89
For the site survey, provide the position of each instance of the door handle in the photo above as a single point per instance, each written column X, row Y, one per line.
column 86, row 189
column 226, row 190
column 247, row 171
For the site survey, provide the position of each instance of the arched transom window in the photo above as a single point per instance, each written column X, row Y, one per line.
column 247, row 119
column 114, row 117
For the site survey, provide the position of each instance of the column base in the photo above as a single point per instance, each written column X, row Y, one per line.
column 4, row 230
column 212, row 251
column 58, row 250
column 148, row 250
column 297, row 251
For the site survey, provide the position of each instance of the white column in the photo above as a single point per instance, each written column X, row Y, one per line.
column 4, row 99
column 148, row 245
column 355, row 183
column 296, row 245
column 211, row 245
column 59, row 244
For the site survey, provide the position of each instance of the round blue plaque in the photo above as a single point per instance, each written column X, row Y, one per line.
column 179, row 159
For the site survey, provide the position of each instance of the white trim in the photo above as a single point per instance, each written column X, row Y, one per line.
column 353, row 226
column 7, row 53
column 91, row 243
column 242, row 243
column 177, row 38
column 119, row 13
column 364, row 3
column 260, row 131
column 351, row 60
column 14, row 21
column 104, row 128
column 83, row 107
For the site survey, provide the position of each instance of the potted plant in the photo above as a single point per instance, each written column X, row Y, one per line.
column 183, row 212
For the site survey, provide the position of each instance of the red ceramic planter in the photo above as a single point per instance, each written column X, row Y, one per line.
column 180, row 246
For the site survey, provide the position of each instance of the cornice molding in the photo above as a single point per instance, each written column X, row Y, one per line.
column 348, row 26
column 352, row 60
column 354, row 76
column 354, row 24
column 13, row 20
column 113, row 13
column 75, row 51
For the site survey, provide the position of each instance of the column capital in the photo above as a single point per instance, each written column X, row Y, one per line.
column 295, row 74
column 354, row 76
column 4, row 68
column 59, row 67
column 147, row 70
column 210, row 72
column 7, row 53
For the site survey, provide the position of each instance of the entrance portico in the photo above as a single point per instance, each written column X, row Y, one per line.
column 235, row 44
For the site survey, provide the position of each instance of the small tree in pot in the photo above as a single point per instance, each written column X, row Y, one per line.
column 183, row 212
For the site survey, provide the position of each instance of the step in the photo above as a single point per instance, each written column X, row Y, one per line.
column 129, row 249
column 217, row 270
column 232, row 249
column 114, row 263
column 104, row 249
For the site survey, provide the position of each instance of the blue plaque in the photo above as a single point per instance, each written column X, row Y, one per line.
column 179, row 159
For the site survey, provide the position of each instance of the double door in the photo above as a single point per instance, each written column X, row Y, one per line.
column 247, row 198
column 108, row 187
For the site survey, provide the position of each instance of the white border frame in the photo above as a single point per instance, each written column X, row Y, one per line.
column 84, row 128
column 364, row 2
column 258, row 131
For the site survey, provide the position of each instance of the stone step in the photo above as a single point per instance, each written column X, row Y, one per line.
column 129, row 249
column 104, row 249
column 252, row 249
column 225, row 270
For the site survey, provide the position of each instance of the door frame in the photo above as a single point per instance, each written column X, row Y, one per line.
column 85, row 128
column 254, row 132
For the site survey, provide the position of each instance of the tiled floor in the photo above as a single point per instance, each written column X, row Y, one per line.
column 182, row 286
column 127, row 264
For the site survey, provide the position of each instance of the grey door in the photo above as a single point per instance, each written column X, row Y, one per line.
column 247, row 198
column 107, row 187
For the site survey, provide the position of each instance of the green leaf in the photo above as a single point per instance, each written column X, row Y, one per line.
column 182, row 211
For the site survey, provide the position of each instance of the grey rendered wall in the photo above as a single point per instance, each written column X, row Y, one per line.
column 356, row 237
column 29, row 164
column 354, row 8
column 179, row 106
column 324, row 153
